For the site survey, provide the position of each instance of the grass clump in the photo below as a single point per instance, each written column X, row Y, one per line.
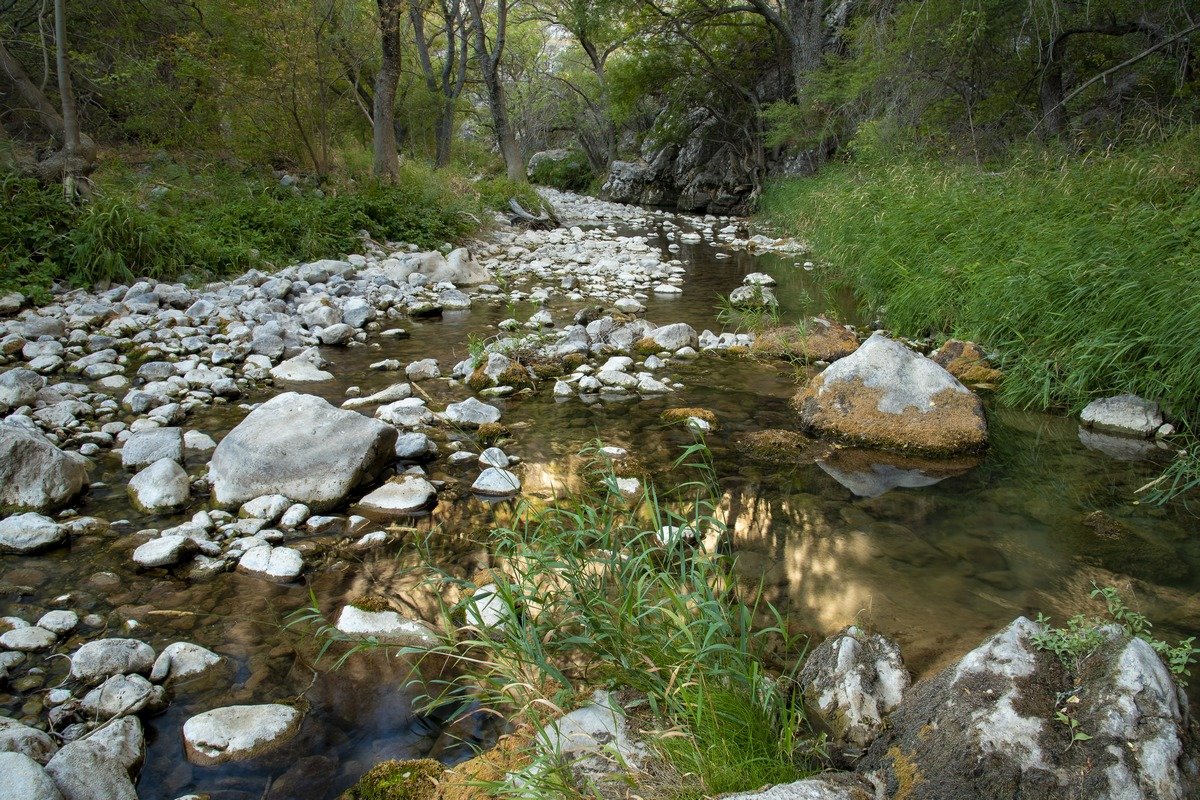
column 596, row 600
column 1081, row 273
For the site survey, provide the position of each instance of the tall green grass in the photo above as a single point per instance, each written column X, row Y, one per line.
column 169, row 221
column 1081, row 272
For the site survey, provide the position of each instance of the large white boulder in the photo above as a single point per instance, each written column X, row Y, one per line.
column 160, row 487
column 34, row 474
column 401, row 496
column 238, row 733
column 301, row 447
column 28, row 533
column 25, row 779
column 1125, row 413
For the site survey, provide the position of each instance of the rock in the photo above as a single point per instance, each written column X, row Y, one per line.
column 238, row 733
column 59, row 622
column 629, row 305
column 296, row 515
column 493, row 482
column 337, row 335
column 820, row 340
column 143, row 448
column 197, row 443
column 995, row 710
column 19, row 387
column 873, row 473
column 595, row 741
column 357, row 312
column 269, row 507
column 414, row 447
column 401, row 496
column 423, row 370
column 16, row 737
column 470, row 413
column 123, row 741
column 182, row 660
column 754, row 296
column 87, row 770
column 386, row 627
column 277, row 563
column 885, row 395
column 28, row 640
column 1118, row 446
column 160, row 487
column 122, row 695
column 408, row 413
column 397, row 391
column 487, row 609
column 494, row 457
column 301, row 447
column 967, row 362
column 25, row 779
column 29, row 533
column 674, row 337
column 828, row 786
column 103, row 658
column 1127, row 414
column 164, row 551
column 34, row 474
column 304, row 368
column 854, row 680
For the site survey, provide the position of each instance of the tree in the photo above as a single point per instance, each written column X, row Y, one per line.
column 448, row 82
column 387, row 158
column 489, row 55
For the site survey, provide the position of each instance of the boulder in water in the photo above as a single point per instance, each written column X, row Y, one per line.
column 34, row 474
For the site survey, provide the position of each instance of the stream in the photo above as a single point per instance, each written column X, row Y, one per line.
column 938, row 567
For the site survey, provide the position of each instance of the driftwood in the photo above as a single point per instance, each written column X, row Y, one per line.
column 545, row 221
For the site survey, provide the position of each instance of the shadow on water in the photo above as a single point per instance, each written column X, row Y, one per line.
column 937, row 556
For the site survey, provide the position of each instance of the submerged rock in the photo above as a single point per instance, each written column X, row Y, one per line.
column 301, row 447
column 238, row 733
column 885, row 395
column 873, row 473
column 34, row 474
column 29, row 533
column 386, row 627
column 401, row 496
column 1126, row 414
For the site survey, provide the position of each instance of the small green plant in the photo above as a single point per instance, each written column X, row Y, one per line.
column 752, row 316
column 1064, row 707
column 1082, row 636
column 1180, row 477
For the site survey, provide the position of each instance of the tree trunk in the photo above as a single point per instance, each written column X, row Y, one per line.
column 387, row 159
column 489, row 65
column 445, row 135
column 69, row 112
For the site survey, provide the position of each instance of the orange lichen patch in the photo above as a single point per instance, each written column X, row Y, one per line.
column 472, row 779
column 966, row 361
column 849, row 410
column 821, row 340
column 908, row 777
column 777, row 446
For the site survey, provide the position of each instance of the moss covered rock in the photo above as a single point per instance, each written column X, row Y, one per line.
column 820, row 340
column 398, row 780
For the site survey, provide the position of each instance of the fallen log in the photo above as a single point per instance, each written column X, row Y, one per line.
column 545, row 221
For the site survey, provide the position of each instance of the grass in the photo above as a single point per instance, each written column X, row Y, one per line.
column 593, row 599
column 168, row 221
column 1082, row 273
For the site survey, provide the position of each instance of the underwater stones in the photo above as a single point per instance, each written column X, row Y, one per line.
column 301, row 447
column 1126, row 414
column 854, row 679
column 29, row 533
column 887, row 396
column 820, row 339
column 34, row 474
column 873, row 473
column 238, row 733
column 401, row 496
column 385, row 626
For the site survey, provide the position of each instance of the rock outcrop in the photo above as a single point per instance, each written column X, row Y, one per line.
column 887, row 396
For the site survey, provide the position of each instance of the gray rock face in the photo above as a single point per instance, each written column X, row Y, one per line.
column 103, row 658
column 18, row 738
column 470, row 413
column 402, row 496
column 24, row 779
column 1126, row 413
column 405, row 413
column 123, row 741
column 493, row 482
column 160, row 487
column 673, row 337
column 145, row 447
column 885, row 395
column 414, row 446
column 28, row 533
column 854, row 680
column 34, row 474
column 19, row 387
column 87, row 770
column 996, row 709
column 385, row 627
column 183, row 660
column 238, row 733
column 301, row 447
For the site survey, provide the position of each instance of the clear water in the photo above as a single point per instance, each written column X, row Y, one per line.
column 937, row 567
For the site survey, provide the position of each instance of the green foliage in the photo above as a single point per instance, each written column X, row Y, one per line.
column 1181, row 476
column 597, row 598
column 1080, row 273
column 495, row 193
column 1082, row 636
column 569, row 174
column 217, row 222
column 753, row 316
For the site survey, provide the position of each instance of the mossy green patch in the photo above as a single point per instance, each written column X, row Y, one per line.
column 398, row 780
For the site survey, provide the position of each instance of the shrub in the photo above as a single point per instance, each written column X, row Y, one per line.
column 572, row 173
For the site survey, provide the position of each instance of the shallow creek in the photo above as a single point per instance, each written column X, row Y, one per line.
column 937, row 567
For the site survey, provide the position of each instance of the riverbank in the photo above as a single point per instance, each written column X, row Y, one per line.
column 163, row 219
column 1080, row 274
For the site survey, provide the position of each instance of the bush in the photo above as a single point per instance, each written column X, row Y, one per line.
column 572, row 173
